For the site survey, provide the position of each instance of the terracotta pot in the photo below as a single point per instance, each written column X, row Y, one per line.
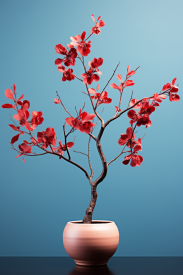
column 91, row 244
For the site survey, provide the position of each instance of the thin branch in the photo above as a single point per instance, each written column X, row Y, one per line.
column 117, row 156
column 80, row 153
column 88, row 36
column 89, row 161
column 130, row 98
column 106, row 85
column 129, row 108
column 70, row 161
column 66, row 142
column 63, row 104
column 78, row 78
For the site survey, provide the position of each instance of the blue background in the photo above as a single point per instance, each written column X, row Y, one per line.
column 38, row 197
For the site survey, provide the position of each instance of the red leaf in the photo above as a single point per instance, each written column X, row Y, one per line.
column 114, row 86
column 7, row 106
column 166, row 87
column 9, row 93
column 129, row 83
column 119, row 77
column 13, row 127
column 15, row 138
column 14, row 87
column 70, row 144
column 20, row 98
column 173, row 81
column 23, row 160
column 83, row 35
column 58, row 61
column 57, row 101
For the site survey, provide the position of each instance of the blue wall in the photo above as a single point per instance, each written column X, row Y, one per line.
column 38, row 197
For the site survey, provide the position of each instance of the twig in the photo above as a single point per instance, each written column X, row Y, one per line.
column 63, row 104
column 78, row 78
column 117, row 156
column 106, row 85
column 80, row 153
column 66, row 142
column 130, row 98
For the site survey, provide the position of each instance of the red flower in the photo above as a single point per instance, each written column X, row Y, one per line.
column 46, row 137
column 89, row 76
column 69, row 59
column 37, row 119
column 136, row 160
column 24, row 148
column 142, row 117
column 62, row 148
column 82, row 47
column 172, row 96
column 103, row 98
column 96, row 28
column 67, row 75
column 82, row 122
column 133, row 101
column 158, row 98
column 117, row 109
column 125, row 137
column 23, row 115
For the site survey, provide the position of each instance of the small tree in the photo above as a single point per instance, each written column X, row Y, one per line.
column 79, row 48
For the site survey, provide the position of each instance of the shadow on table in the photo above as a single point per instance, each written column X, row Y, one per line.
column 91, row 270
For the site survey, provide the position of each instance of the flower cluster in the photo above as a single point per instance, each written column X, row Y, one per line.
column 82, row 122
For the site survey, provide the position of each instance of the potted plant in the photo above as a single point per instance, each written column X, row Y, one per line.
column 89, row 242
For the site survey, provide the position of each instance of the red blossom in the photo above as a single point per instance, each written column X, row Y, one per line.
column 67, row 75
column 98, row 25
column 82, row 122
column 117, row 109
column 142, row 118
column 46, row 137
column 37, row 119
column 69, row 59
column 125, row 137
column 158, row 98
column 90, row 75
column 133, row 101
column 83, row 47
column 62, row 147
column 103, row 97
column 24, row 148
column 173, row 97
column 136, row 160
column 57, row 101
column 23, row 115
column 174, row 89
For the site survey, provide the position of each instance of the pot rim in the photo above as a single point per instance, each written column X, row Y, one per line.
column 79, row 222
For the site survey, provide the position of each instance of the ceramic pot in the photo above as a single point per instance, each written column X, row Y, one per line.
column 91, row 244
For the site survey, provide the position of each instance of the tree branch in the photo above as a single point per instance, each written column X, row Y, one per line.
column 106, row 85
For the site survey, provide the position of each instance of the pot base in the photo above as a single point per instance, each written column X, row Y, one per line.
column 91, row 263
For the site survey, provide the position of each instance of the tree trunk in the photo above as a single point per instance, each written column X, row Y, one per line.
column 89, row 210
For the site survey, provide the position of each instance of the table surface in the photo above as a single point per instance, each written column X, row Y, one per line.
column 67, row 266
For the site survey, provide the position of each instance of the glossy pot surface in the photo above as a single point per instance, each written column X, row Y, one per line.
column 91, row 244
